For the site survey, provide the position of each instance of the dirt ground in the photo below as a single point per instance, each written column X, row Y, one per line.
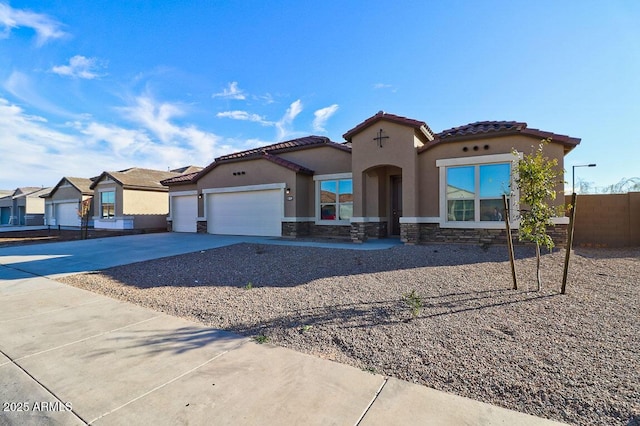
column 16, row 238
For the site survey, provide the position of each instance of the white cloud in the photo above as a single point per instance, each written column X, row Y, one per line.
column 22, row 87
column 79, row 67
column 322, row 115
column 35, row 152
column 284, row 125
column 380, row 86
column 244, row 116
column 231, row 92
column 45, row 27
column 156, row 117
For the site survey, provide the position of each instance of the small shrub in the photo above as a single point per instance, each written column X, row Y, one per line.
column 249, row 286
column 261, row 338
column 414, row 301
column 305, row 328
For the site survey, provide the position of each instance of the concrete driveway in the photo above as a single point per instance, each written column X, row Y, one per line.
column 69, row 356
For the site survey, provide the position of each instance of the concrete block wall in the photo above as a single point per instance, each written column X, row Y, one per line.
column 607, row 220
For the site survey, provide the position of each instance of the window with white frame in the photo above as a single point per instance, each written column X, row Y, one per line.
column 474, row 192
column 108, row 204
column 335, row 200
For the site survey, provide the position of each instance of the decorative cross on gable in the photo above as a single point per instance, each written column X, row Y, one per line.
column 380, row 138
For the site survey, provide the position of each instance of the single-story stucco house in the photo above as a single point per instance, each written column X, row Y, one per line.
column 132, row 198
column 23, row 206
column 393, row 176
column 63, row 203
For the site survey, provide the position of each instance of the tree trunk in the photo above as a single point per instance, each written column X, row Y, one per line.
column 538, row 279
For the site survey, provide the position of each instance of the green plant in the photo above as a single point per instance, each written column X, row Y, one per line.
column 414, row 301
column 537, row 178
column 261, row 338
column 249, row 286
column 305, row 328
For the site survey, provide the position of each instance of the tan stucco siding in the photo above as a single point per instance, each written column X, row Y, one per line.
column 322, row 160
column 256, row 172
column 34, row 205
column 136, row 202
column 429, row 185
column 182, row 188
column 398, row 150
column 66, row 193
column 304, row 197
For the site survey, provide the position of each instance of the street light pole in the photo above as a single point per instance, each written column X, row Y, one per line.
column 573, row 175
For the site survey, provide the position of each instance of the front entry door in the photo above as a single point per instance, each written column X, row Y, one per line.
column 396, row 204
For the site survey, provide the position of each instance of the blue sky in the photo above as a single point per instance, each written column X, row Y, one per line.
column 87, row 86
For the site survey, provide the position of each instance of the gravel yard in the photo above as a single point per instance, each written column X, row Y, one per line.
column 573, row 358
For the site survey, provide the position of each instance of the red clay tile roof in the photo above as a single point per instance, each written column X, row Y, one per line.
column 268, row 153
column 487, row 129
column 292, row 145
column 381, row 115
column 482, row 127
column 286, row 163
column 180, row 180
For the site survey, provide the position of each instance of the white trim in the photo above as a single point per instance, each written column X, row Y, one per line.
column 478, row 159
column 298, row 219
column 479, row 225
column 334, row 176
column 368, row 219
column 420, row 220
column 201, row 219
column 72, row 200
column 180, row 194
column 333, row 222
column 560, row 220
column 211, row 192
column 261, row 187
column 318, row 179
column 183, row 193
column 122, row 222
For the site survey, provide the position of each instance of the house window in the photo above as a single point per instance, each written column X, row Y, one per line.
column 474, row 192
column 108, row 204
column 336, row 200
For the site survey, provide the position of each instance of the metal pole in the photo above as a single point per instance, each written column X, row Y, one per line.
column 572, row 218
column 507, row 216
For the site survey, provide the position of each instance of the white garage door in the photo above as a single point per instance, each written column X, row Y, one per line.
column 67, row 214
column 184, row 213
column 245, row 213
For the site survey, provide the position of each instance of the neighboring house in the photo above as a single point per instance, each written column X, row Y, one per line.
column 23, row 207
column 63, row 203
column 132, row 199
column 392, row 177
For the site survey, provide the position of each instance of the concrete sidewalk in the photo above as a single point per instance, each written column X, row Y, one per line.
column 69, row 356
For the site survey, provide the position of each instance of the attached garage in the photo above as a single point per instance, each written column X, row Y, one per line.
column 184, row 213
column 254, row 210
column 66, row 214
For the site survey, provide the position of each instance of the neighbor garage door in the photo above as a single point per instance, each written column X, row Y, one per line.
column 5, row 215
column 67, row 214
column 245, row 213
column 184, row 213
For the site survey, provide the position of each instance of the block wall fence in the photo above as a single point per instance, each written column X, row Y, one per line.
column 607, row 220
